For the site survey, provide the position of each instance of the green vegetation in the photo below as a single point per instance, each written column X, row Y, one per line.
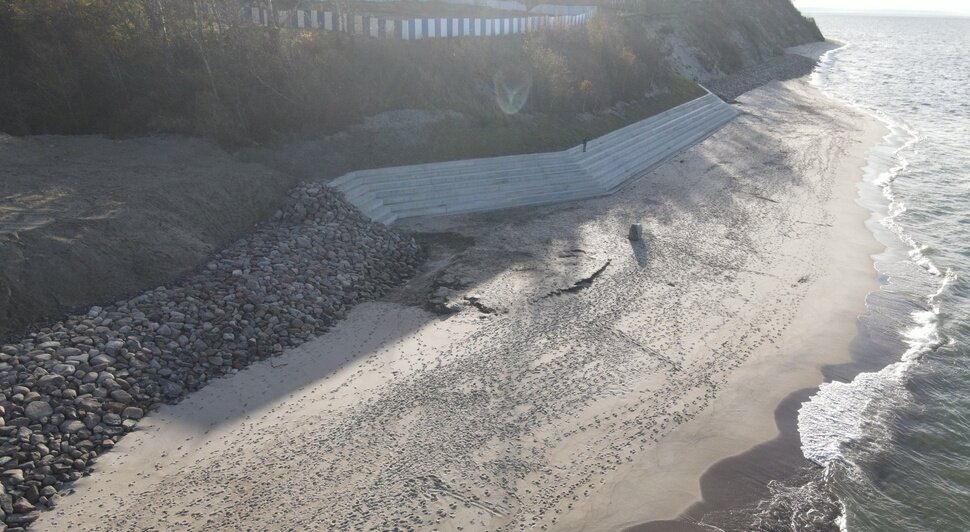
column 544, row 133
column 731, row 31
column 197, row 67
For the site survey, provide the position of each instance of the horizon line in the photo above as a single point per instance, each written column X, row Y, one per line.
column 883, row 12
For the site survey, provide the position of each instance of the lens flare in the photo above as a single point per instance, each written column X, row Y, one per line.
column 512, row 90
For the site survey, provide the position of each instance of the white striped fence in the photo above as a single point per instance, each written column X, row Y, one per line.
column 411, row 29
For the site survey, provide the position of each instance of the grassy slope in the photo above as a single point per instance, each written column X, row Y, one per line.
column 456, row 138
column 548, row 133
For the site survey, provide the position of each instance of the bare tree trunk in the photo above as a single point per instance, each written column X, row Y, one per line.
column 152, row 10
column 215, row 13
column 272, row 14
column 198, row 38
column 162, row 23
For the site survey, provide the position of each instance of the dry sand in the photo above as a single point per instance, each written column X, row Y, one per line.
column 593, row 409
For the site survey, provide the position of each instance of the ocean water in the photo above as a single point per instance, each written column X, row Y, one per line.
column 891, row 432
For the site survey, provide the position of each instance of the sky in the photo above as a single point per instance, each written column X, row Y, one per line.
column 943, row 6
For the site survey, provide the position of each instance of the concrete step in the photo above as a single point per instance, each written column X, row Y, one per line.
column 649, row 135
column 488, row 205
column 499, row 195
column 386, row 218
column 670, row 137
column 643, row 151
column 576, row 177
column 377, row 175
column 653, row 121
column 493, row 173
column 389, row 194
column 374, row 210
column 415, row 176
column 644, row 126
column 620, row 175
column 611, row 176
column 507, row 175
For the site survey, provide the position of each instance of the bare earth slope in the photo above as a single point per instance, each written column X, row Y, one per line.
column 85, row 220
column 585, row 383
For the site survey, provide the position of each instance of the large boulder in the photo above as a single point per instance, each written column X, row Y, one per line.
column 37, row 410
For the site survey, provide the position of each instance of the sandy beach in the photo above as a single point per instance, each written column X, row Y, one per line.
column 577, row 381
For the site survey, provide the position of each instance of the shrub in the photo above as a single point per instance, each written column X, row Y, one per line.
column 194, row 67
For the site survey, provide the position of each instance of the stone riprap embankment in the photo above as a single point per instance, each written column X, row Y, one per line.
column 71, row 391
column 780, row 68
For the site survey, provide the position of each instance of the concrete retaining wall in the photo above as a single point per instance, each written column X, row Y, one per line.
column 389, row 194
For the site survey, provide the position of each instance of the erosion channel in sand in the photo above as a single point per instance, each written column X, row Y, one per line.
column 522, row 404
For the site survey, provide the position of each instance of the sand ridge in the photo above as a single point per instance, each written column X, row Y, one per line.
column 549, row 412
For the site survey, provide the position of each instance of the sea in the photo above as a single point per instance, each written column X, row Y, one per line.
column 889, row 434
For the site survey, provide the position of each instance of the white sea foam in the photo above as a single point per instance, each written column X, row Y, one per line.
column 878, row 459
column 886, row 162
column 843, row 412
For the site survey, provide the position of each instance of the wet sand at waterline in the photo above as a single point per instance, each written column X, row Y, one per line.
column 584, row 383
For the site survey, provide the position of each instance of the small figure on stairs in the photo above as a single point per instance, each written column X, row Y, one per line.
column 585, row 140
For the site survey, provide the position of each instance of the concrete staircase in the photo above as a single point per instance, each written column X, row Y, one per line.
column 472, row 185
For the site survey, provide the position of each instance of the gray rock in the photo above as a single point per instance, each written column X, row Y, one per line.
column 91, row 420
column 14, row 475
column 64, row 369
column 636, row 232
column 88, row 403
column 68, row 352
column 48, row 383
column 122, row 396
column 22, row 505
column 82, row 358
column 71, row 426
column 38, row 409
column 132, row 412
column 113, row 347
column 171, row 389
column 22, row 519
column 273, row 288
column 31, row 492
column 102, row 359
